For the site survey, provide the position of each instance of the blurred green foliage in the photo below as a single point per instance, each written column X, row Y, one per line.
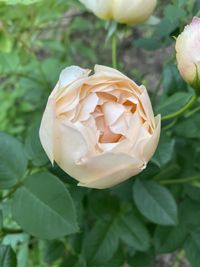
column 158, row 211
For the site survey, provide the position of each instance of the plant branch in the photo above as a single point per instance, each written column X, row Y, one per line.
column 114, row 51
column 182, row 110
column 192, row 112
column 181, row 181
column 12, row 191
column 4, row 231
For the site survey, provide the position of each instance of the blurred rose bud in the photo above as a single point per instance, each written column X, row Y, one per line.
column 122, row 11
column 188, row 53
column 100, row 129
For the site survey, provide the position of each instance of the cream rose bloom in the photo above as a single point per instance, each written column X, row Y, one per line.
column 188, row 53
column 100, row 129
column 123, row 11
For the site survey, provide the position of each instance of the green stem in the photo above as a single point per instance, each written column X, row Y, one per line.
column 114, row 51
column 182, row 110
column 180, row 181
column 11, row 231
column 169, row 126
column 192, row 112
column 8, row 231
column 12, row 191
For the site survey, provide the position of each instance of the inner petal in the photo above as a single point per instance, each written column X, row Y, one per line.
column 88, row 105
column 112, row 111
column 106, row 135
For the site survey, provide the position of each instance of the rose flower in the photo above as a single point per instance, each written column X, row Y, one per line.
column 100, row 129
column 188, row 53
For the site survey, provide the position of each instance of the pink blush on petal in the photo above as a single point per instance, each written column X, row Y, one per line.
column 196, row 20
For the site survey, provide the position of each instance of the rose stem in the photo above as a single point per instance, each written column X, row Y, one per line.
column 114, row 51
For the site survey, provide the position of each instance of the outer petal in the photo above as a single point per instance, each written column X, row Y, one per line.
column 71, row 74
column 47, row 126
column 70, row 148
column 106, row 170
column 101, row 8
column 133, row 12
column 109, row 169
column 148, row 146
column 146, row 104
column 68, row 76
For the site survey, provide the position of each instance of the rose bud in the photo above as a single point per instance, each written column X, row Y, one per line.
column 100, row 129
column 122, row 11
column 188, row 53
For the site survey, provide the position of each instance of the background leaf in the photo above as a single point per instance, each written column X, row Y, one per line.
column 7, row 257
column 133, row 232
column 12, row 167
column 155, row 202
column 174, row 103
column 192, row 248
column 165, row 150
column 101, row 243
column 169, row 239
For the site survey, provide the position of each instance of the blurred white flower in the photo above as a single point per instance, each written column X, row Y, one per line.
column 122, row 11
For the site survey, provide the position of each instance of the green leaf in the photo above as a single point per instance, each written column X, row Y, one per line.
column 165, row 28
column 165, row 150
column 1, row 220
column 34, row 148
column 142, row 259
column 171, row 80
column 174, row 13
column 192, row 248
column 174, row 103
column 193, row 192
column 101, row 243
column 133, row 232
column 51, row 67
column 43, row 207
column 74, row 261
column 13, row 161
column 148, row 43
column 117, row 259
column 54, row 251
column 104, row 205
column 189, row 213
column 155, row 202
column 22, row 2
column 7, row 257
column 5, row 42
column 9, row 62
column 189, row 128
column 168, row 239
